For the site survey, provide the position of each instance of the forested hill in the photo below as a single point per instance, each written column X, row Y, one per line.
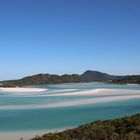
column 135, row 79
column 88, row 76
column 127, row 128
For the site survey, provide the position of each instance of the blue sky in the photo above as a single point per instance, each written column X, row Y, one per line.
column 69, row 36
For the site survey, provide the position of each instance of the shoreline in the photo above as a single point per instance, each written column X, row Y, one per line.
column 27, row 135
column 35, row 134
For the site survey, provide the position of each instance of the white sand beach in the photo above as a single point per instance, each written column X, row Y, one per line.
column 20, row 89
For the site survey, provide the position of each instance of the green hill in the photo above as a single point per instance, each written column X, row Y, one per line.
column 88, row 76
column 134, row 79
column 127, row 128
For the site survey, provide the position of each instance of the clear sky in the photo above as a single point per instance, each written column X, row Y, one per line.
column 69, row 36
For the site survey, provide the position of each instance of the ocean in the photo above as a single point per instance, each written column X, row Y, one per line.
column 65, row 106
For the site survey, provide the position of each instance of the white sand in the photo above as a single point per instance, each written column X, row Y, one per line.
column 80, row 102
column 92, row 101
column 98, row 92
column 61, row 91
column 19, row 89
column 135, row 94
column 127, row 94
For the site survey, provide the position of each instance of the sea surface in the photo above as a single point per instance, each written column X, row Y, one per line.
column 61, row 107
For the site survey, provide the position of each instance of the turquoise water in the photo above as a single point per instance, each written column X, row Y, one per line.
column 42, row 111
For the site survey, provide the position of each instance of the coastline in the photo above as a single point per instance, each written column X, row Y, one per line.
column 81, row 130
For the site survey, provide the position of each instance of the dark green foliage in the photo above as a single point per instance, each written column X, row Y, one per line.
column 8, row 85
column 127, row 128
column 98, row 76
column 128, row 80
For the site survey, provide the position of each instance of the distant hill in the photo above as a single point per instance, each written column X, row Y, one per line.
column 98, row 76
column 127, row 128
column 88, row 76
column 134, row 79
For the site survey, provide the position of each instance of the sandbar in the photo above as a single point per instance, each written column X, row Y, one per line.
column 21, row 89
column 98, row 92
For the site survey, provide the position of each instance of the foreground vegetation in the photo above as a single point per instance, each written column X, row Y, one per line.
column 127, row 128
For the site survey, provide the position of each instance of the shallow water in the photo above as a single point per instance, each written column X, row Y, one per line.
column 42, row 111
